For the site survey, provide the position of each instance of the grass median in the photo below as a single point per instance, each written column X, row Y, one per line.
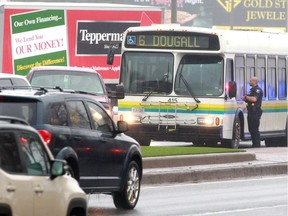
column 158, row 151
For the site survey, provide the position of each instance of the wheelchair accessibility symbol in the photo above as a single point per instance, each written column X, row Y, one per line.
column 131, row 40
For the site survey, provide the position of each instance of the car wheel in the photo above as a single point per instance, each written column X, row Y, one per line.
column 235, row 141
column 128, row 197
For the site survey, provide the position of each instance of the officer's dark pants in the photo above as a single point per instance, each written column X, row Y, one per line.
column 253, row 127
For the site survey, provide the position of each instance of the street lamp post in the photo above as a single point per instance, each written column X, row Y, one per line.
column 173, row 11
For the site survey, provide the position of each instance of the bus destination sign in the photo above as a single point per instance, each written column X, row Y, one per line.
column 172, row 40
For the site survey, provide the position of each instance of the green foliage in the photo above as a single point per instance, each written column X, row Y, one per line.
column 156, row 151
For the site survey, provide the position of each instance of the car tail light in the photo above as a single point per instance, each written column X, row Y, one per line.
column 46, row 136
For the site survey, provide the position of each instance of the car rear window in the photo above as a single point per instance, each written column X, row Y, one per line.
column 24, row 110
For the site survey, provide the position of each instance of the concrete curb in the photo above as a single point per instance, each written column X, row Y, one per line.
column 191, row 160
column 188, row 174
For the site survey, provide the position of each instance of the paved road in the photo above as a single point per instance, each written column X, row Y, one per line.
column 258, row 197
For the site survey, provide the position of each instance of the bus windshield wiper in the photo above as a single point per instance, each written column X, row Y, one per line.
column 148, row 95
column 189, row 88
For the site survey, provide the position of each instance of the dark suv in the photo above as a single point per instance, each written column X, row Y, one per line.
column 77, row 129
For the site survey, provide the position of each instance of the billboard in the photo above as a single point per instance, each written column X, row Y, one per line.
column 228, row 14
column 32, row 41
column 42, row 34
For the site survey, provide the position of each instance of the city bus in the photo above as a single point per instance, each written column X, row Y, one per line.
column 186, row 84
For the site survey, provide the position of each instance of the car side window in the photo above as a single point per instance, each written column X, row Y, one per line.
column 101, row 119
column 9, row 154
column 33, row 154
column 78, row 116
column 23, row 153
column 58, row 114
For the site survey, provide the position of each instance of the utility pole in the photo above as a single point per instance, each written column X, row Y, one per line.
column 173, row 11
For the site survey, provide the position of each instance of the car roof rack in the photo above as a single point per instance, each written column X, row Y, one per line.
column 13, row 120
column 41, row 90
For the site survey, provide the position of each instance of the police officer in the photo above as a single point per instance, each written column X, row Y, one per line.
column 254, row 101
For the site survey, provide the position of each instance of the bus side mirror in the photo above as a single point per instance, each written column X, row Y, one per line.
column 111, row 52
column 232, row 89
column 110, row 56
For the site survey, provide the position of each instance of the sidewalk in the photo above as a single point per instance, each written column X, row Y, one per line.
column 200, row 168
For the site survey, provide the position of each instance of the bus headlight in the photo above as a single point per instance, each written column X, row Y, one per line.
column 205, row 120
column 130, row 118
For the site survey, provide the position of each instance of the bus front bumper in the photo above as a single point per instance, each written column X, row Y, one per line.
column 169, row 133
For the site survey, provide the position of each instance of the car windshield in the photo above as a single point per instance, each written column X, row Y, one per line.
column 203, row 75
column 74, row 80
column 147, row 73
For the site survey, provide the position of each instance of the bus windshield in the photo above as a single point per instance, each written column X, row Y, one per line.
column 147, row 72
column 203, row 74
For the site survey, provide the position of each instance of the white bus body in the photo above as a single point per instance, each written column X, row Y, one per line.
column 177, row 81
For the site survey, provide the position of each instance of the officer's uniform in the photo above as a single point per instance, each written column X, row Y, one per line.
column 254, row 114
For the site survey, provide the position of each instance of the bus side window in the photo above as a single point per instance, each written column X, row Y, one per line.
column 229, row 70
column 250, row 72
column 261, row 73
column 239, row 75
column 272, row 84
column 282, row 79
column 229, row 74
column 282, row 89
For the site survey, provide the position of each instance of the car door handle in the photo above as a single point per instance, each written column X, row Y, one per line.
column 77, row 138
column 38, row 190
column 11, row 188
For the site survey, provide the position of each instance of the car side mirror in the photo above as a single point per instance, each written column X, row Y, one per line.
column 58, row 168
column 122, row 126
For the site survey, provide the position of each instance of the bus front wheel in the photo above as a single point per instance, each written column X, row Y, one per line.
column 235, row 141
